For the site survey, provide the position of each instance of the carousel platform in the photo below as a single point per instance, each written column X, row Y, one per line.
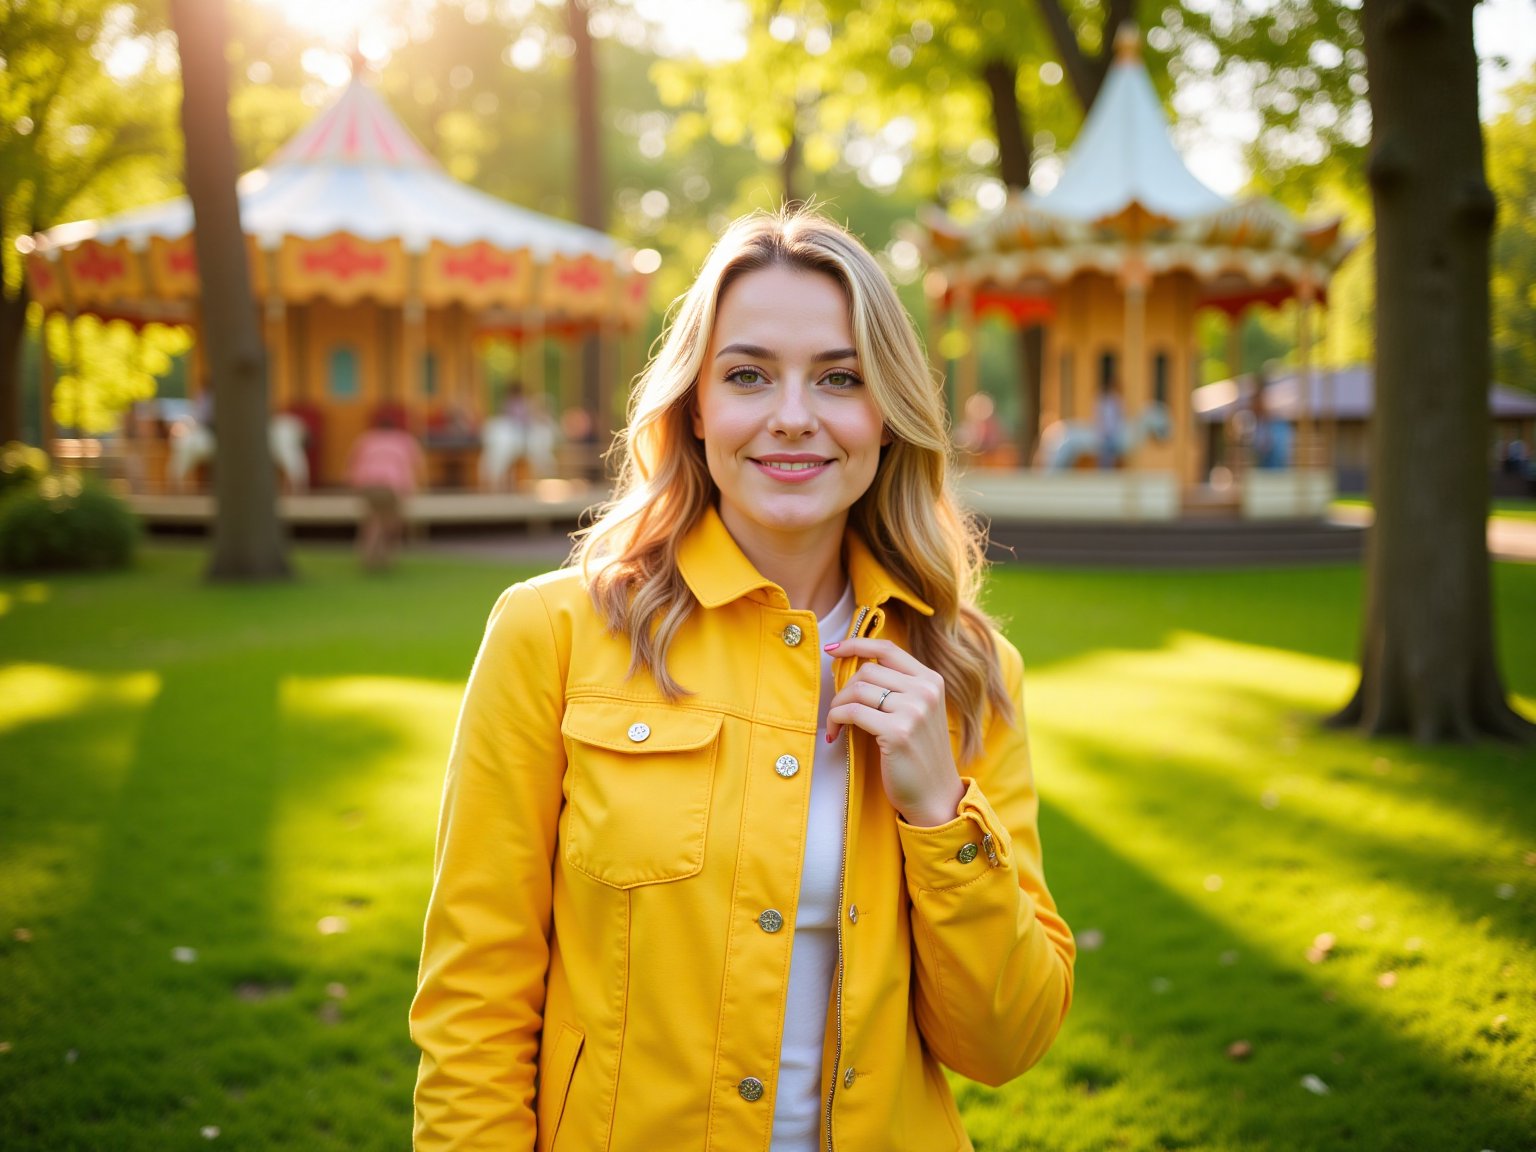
column 548, row 507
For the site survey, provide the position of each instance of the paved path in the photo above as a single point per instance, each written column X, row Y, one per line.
column 1508, row 538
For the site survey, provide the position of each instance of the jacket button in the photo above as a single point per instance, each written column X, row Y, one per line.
column 792, row 634
column 751, row 1089
column 771, row 920
column 853, row 913
column 786, row 766
column 966, row 854
column 639, row 732
column 848, row 1077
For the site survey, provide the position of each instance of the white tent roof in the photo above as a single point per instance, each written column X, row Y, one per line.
column 356, row 169
column 1123, row 157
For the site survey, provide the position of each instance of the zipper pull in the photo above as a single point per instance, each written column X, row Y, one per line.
column 989, row 846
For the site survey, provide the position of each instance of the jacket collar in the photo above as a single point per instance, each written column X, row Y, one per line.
column 717, row 571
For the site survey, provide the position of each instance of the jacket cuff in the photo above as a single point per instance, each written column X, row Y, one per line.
column 965, row 849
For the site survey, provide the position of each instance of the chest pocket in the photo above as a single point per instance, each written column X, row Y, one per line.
column 640, row 778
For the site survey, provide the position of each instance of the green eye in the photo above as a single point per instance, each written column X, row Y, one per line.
column 748, row 376
column 841, row 379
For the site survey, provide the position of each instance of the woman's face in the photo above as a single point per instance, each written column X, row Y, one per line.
column 791, row 434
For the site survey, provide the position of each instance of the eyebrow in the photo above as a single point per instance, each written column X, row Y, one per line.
column 761, row 353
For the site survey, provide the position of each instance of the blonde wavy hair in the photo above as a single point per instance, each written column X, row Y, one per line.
column 909, row 517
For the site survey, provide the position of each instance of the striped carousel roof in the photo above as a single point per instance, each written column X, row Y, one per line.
column 356, row 169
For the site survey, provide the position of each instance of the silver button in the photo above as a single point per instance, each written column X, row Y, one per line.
column 639, row 732
column 848, row 1078
column 771, row 920
column 966, row 854
column 853, row 913
column 751, row 1089
column 786, row 766
column 792, row 634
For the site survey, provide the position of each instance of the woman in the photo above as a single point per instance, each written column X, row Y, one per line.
column 739, row 834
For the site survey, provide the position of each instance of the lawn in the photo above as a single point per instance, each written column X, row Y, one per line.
column 217, row 804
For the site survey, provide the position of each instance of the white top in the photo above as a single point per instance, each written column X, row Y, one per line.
column 813, row 962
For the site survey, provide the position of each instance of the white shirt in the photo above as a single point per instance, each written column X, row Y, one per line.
column 813, row 961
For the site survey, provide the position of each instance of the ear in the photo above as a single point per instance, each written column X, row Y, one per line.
column 886, row 439
column 695, row 415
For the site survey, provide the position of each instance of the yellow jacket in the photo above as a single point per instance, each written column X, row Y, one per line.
column 603, row 857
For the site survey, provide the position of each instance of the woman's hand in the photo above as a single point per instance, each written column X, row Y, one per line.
column 900, row 702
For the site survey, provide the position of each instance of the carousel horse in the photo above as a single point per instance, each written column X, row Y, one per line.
column 1068, row 444
column 193, row 443
column 504, row 441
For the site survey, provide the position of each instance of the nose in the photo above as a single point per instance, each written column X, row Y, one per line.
column 793, row 412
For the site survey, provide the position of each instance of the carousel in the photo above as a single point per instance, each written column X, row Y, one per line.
column 379, row 280
column 1114, row 263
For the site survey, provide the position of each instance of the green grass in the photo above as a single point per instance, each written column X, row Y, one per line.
column 1507, row 508
column 230, row 769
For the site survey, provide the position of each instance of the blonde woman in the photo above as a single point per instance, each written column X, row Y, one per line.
column 738, row 841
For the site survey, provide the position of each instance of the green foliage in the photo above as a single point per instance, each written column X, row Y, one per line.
column 218, row 819
column 1511, row 144
column 74, row 140
column 105, row 366
column 22, row 467
column 63, row 523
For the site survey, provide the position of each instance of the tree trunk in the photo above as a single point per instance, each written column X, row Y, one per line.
column 248, row 539
column 13, row 326
column 591, row 197
column 1014, row 151
column 1428, row 666
column 1085, row 73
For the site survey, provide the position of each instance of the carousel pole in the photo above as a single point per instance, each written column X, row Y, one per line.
column 1238, row 465
column 1330, row 403
column 605, row 389
column 966, row 370
column 46, row 430
column 1304, row 452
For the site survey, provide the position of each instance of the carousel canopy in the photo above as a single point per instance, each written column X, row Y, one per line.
column 1126, row 201
column 1123, row 159
column 340, row 212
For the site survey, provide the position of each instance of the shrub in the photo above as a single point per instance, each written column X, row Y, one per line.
column 21, row 466
column 62, row 523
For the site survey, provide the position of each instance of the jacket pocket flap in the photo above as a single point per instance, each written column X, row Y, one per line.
column 638, row 727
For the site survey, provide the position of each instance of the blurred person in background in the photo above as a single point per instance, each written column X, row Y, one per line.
column 385, row 467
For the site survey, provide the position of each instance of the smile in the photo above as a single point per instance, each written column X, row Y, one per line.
column 792, row 470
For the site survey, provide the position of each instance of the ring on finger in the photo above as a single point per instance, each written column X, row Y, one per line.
column 880, row 703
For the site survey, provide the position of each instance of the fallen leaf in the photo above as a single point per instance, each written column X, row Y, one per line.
column 1387, row 980
column 1090, row 940
column 331, row 925
column 184, row 955
column 1314, row 1085
column 210, row 1131
column 1239, row 1050
column 22, row 935
column 5, row 1046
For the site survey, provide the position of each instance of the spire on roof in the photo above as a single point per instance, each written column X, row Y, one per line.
column 1123, row 158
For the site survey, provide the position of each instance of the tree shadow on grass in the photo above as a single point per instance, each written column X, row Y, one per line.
column 186, row 989
column 1142, row 1062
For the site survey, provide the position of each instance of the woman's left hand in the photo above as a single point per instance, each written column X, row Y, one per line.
column 900, row 702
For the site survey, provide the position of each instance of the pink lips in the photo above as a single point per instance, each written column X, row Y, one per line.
column 791, row 468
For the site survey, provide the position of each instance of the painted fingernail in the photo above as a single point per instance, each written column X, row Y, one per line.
column 833, row 647
column 830, row 737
